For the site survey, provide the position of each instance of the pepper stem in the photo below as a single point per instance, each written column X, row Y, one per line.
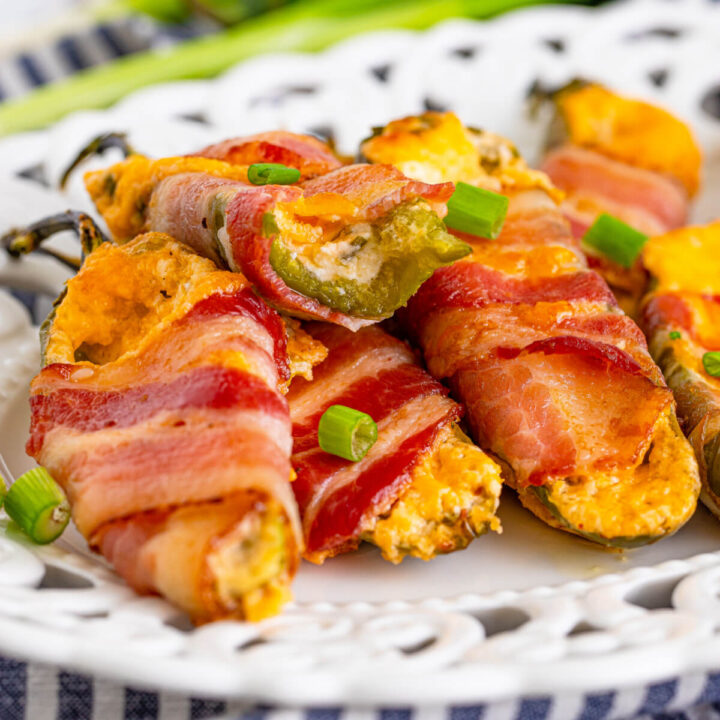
column 98, row 146
column 22, row 241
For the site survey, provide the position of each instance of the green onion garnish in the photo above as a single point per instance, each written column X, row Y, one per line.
column 272, row 174
column 615, row 239
column 38, row 505
column 3, row 490
column 711, row 363
column 476, row 211
column 675, row 335
column 346, row 432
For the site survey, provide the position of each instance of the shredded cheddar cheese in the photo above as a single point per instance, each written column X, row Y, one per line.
column 304, row 352
column 125, row 296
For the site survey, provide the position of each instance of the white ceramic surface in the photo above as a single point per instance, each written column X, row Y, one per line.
column 531, row 611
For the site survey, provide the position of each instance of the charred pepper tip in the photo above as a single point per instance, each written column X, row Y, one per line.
column 97, row 146
column 22, row 241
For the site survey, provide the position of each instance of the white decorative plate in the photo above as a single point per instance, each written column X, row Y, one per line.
column 532, row 611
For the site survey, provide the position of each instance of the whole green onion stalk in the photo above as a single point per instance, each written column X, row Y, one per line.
column 309, row 25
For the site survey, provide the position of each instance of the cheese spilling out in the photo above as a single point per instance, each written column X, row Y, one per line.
column 640, row 503
column 685, row 260
column 452, row 498
column 126, row 295
column 249, row 564
column 437, row 147
column 122, row 192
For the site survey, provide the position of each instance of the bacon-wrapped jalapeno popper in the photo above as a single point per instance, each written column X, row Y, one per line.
column 348, row 247
column 422, row 489
column 624, row 157
column 681, row 317
column 557, row 381
column 159, row 412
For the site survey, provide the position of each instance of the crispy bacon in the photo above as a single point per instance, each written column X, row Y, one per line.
column 472, row 285
column 457, row 337
column 102, row 443
column 554, row 414
column 648, row 201
column 85, row 410
column 379, row 375
column 377, row 189
column 304, row 152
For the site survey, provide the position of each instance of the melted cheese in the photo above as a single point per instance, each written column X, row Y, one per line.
column 650, row 500
column 452, row 498
column 539, row 261
column 631, row 131
column 304, row 351
column 436, row 147
column 124, row 295
column 327, row 247
column 685, row 260
column 249, row 565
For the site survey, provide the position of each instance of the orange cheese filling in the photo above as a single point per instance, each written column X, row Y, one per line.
column 634, row 132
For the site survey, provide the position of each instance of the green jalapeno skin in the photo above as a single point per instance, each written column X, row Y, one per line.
column 408, row 245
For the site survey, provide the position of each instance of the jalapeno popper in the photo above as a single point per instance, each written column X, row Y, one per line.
column 681, row 317
column 557, row 381
column 624, row 157
column 159, row 412
column 422, row 489
column 348, row 247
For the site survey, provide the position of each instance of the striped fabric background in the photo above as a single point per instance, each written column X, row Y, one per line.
column 74, row 52
column 36, row 692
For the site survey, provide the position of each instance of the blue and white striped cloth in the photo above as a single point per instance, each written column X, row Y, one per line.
column 37, row 692
column 73, row 52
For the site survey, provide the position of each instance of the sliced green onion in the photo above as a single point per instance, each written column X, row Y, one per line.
column 3, row 490
column 675, row 335
column 615, row 239
column 272, row 174
column 711, row 363
column 346, row 432
column 38, row 505
column 476, row 211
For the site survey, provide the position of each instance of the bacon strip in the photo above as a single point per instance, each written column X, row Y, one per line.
column 377, row 189
column 379, row 375
column 190, row 417
column 304, row 152
column 594, row 183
